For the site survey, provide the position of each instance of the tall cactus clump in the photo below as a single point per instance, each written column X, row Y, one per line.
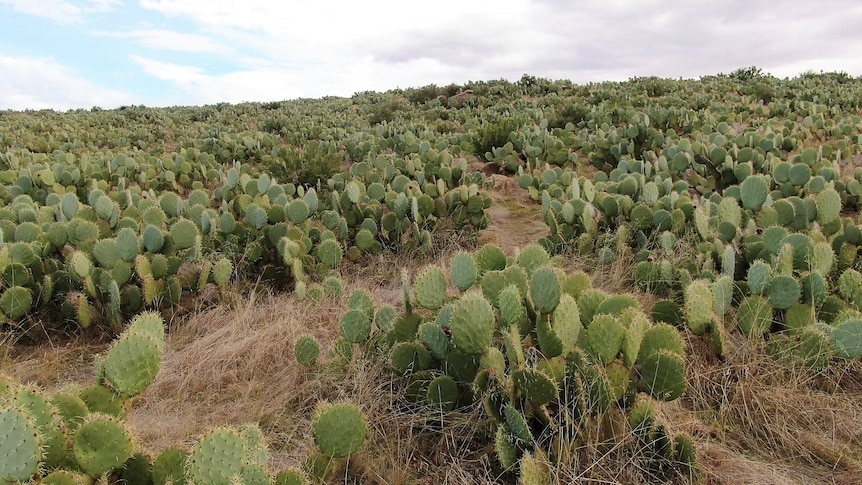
column 534, row 351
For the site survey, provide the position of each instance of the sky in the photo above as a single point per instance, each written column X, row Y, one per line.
column 61, row 55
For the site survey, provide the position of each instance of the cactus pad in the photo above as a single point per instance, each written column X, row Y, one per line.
column 356, row 326
column 535, row 385
column 473, row 324
column 662, row 375
column 783, row 291
column 430, row 288
column 339, row 429
column 463, row 271
column 169, row 467
column 19, row 445
column 132, row 363
column 698, row 306
column 217, row 458
column 307, row 350
column 545, row 290
column 101, row 444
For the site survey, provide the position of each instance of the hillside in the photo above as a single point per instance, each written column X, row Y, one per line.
column 536, row 282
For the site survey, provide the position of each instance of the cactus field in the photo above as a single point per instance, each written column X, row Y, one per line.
column 532, row 282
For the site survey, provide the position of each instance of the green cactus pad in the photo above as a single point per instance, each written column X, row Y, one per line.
column 329, row 253
column 169, row 467
column 535, row 385
column 532, row 258
column 846, row 339
column 291, row 476
column 132, row 363
column 222, row 271
column 490, row 258
column 361, row 300
column 662, row 375
column 828, row 205
column 101, row 445
column 605, row 337
column 759, row 276
column 20, row 445
column 566, row 322
column 698, row 306
column 137, row 470
column 473, row 324
column 753, row 192
column 409, row 357
column 633, row 339
column 356, row 326
column 430, row 288
column 297, row 211
column 722, row 295
column 385, row 317
column 183, row 233
column 442, row 393
column 71, row 408
column 463, row 271
column 307, row 350
column 660, row 337
column 150, row 323
column 783, row 291
column 16, row 302
column 51, row 433
column 616, row 305
column 338, row 429
column 510, row 305
column 545, row 290
column 254, row 442
column 65, row 477
column 255, row 475
column 507, row 452
column 435, row 339
column 100, row 399
column 798, row 317
column 217, row 458
column 517, row 424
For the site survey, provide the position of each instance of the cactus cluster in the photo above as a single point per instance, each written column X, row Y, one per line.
column 540, row 353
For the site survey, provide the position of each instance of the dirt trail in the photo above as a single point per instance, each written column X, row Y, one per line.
column 516, row 221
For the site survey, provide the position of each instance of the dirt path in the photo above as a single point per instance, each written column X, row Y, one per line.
column 516, row 221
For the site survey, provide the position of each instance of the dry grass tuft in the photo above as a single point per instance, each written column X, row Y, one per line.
column 756, row 409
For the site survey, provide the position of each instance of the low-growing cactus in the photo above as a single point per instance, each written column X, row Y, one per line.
column 217, row 458
column 339, row 429
column 473, row 324
column 307, row 350
column 101, row 444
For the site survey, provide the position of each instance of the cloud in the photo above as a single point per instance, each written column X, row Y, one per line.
column 267, row 50
column 171, row 40
column 33, row 83
column 60, row 11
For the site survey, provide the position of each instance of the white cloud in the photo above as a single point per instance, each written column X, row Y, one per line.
column 32, row 83
column 277, row 50
column 60, row 11
column 171, row 40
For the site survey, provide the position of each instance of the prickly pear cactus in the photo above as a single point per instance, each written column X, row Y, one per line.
column 473, row 324
column 545, row 289
column 307, row 350
column 430, row 288
column 132, row 363
column 339, row 429
column 101, row 444
column 20, row 445
column 217, row 458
